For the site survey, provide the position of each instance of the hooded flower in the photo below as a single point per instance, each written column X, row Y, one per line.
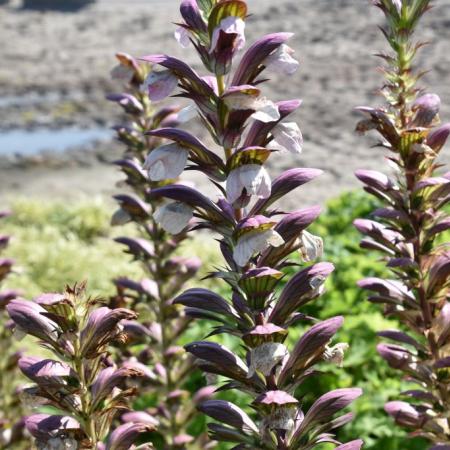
column 311, row 247
column 173, row 217
column 166, row 162
column 287, row 136
column 182, row 36
column 159, row 85
column 255, row 234
column 248, row 97
column 426, row 108
column 281, row 60
column 232, row 26
column 251, row 177
column 265, row 357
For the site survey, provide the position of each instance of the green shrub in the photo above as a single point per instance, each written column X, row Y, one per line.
column 58, row 243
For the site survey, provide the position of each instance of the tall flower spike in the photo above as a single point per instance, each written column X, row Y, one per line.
column 256, row 245
column 11, row 410
column 148, row 162
column 76, row 382
column 407, row 229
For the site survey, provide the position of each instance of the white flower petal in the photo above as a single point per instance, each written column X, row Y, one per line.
column 166, row 162
column 173, row 217
column 287, row 136
column 255, row 242
column 398, row 5
column 121, row 72
column 281, row 61
column 182, row 36
column 120, row 217
column 159, row 85
column 253, row 177
column 187, row 114
column 243, row 251
column 311, row 246
column 267, row 112
column 275, row 239
column 229, row 25
column 265, row 357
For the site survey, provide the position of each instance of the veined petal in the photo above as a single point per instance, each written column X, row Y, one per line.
column 160, row 85
column 311, row 246
column 266, row 111
column 281, row 60
column 287, row 136
column 173, row 217
column 229, row 25
column 253, row 177
column 166, row 162
column 255, row 242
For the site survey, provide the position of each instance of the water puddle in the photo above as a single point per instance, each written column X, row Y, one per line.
column 24, row 142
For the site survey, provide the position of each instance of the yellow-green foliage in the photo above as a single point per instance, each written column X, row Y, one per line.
column 59, row 243
column 55, row 243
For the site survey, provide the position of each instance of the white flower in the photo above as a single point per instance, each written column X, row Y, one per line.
column 187, row 114
column 122, row 72
column 229, row 25
column 311, row 246
column 283, row 418
column 159, row 85
column 335, row 354
column 57, row 443
column 120, row 217
column 281, row 60
column 254, row 242
column 5, row 436
column 265, row 357
column 183, row 37
column 173, row 217
column 166, row 162
column 265, row 110
column 398, row 5
column 287, row 136
column 251, row 177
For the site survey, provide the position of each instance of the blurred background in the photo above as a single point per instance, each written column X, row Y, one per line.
column 56, row 57
column 56, row 149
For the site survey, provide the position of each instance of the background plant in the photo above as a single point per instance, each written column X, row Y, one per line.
column 408, row 230
column 156, row 342
column 11, row 411
column 80, row 388
column 255, row 245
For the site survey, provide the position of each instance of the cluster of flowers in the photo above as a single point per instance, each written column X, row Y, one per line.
column 81, row 382
column 407, row 229
column 256, row 241
column 10, row 407
column 161, row 323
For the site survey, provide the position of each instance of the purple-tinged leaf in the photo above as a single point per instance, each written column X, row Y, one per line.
column 124, row 436
column 300, row 289
column 309, row 349
column 252, row 62
column 229, row 414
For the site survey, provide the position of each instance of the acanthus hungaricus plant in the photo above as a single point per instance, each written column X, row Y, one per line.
column 11, row 411
column 156, row 337
column 80, row 383
column 256, row 240
column 407, row 229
